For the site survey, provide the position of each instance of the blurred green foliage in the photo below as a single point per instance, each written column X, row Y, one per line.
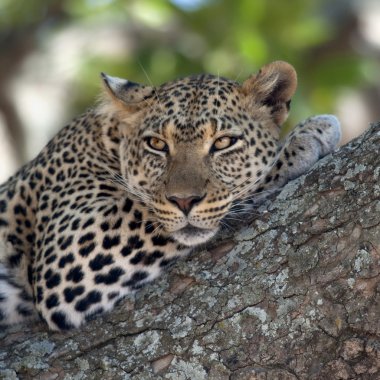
column 230, row 38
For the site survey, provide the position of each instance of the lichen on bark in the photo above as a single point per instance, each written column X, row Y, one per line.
column 293, row 295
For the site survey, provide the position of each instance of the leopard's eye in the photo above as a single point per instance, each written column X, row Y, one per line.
column 224, row 142
column 157, row 144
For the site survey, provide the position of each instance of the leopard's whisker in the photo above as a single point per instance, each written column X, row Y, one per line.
column 153, row 86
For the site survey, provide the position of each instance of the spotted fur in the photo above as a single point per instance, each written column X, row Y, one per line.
column 137, row 182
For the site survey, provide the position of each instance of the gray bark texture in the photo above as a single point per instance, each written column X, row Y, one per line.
column 294, row 294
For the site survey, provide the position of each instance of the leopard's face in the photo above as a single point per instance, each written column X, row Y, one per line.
column 195, row 146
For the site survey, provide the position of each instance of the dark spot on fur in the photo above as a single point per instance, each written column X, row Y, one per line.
column 109, row 242
column 136, row 278
column 53, row 281
column 68, row 259
column 137, row 258
column 60, row 320
column 110, row 278
column 91, row 298
column 159, row 240
column 75, row 274
column 100, row 261
column 85, row 251
column 127, row 205
column 52, row 301
column 72, row 292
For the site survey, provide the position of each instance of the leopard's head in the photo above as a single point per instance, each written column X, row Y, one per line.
column 192, row 147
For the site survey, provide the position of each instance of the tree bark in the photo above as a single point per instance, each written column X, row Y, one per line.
column 293, row 295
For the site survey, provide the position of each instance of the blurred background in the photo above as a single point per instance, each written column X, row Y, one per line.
column 51, row 53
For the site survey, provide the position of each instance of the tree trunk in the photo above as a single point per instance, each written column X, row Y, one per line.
column 293, row 295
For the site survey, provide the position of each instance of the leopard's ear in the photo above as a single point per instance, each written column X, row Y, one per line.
column 273, row 86
column 128, row 93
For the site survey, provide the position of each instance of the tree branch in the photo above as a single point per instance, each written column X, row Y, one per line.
column 294, row 295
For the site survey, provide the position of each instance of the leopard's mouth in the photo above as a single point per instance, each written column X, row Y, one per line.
column 191, row 235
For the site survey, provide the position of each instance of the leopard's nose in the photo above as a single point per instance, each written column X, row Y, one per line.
column 185, row 204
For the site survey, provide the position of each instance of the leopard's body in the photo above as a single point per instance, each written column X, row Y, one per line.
column 136, row 182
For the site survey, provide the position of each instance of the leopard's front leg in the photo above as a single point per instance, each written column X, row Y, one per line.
column 309, row 141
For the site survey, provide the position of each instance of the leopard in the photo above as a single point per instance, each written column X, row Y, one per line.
column 138, row 181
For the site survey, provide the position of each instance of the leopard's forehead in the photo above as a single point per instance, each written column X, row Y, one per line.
column 194, row 103
column 206, row 84
column 194, row 94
